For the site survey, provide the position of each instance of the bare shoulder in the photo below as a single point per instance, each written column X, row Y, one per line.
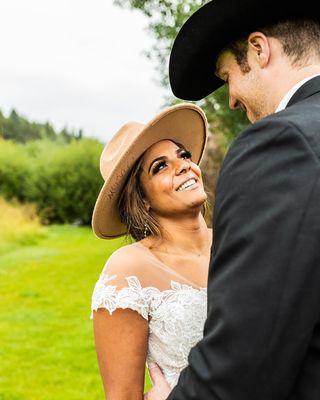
column 128, row 252
column 128, row 259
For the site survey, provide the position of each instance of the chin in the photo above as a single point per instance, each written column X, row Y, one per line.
column 257, row 116
column 252, row 118
column 199, row 201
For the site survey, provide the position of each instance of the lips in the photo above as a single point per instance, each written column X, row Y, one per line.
column 187, row 183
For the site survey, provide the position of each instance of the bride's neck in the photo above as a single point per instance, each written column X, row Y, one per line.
column 189, row 234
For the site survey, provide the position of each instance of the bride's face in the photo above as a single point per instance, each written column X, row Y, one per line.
column 171, row 181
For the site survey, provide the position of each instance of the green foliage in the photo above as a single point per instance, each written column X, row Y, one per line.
column 14, row 170
column 47, row 348
column 63, row 180
column 220, row 117
column 166, row 18
column 19, row 129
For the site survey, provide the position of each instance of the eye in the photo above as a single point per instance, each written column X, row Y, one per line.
column 186, row 154
column 158, row 167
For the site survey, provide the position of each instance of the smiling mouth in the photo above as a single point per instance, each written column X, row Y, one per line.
column 186, row 185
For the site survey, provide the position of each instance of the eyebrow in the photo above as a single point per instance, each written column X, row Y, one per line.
column 178, row 151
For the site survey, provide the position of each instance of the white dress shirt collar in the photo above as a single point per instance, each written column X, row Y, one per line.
column 285, row 100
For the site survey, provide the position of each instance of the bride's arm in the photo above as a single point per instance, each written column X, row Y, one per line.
column 121, row 345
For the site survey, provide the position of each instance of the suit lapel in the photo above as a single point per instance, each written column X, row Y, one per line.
column 308, row 89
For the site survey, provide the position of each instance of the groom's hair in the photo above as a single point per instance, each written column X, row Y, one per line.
column 300, row 40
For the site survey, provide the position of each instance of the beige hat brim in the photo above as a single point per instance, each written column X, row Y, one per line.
column 184, row 123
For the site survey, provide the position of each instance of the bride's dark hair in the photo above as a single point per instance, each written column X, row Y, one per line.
column 133, row 213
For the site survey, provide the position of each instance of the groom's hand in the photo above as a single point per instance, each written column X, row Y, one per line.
column 161, row 388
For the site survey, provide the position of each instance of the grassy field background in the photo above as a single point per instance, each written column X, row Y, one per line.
column 47, row 349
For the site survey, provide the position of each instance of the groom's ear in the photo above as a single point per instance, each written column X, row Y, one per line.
column 259, row 49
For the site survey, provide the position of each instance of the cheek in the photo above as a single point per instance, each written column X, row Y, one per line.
column 159, row 187
column 237, row 90
column 251, row 85
column 234, row 92
column 239, row 84
column 196, row 169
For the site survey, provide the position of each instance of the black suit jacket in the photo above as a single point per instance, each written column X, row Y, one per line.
column 262, row 333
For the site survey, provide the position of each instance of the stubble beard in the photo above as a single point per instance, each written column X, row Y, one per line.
column 260, row 110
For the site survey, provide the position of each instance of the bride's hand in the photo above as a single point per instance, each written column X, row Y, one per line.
column 161, row 388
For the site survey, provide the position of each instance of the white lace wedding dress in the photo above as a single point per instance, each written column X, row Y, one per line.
column 175, row 308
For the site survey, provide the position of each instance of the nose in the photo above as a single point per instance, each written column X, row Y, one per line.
column 233, row 102
column 182, row 167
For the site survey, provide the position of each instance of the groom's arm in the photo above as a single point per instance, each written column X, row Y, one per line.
column 263, row 292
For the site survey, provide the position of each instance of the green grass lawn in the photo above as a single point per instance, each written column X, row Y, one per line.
column 46, row 337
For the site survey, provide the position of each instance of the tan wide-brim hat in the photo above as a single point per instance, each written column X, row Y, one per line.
column 184, row 123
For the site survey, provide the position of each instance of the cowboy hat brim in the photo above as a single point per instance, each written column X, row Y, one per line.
column 211, row 28
column 183, row 123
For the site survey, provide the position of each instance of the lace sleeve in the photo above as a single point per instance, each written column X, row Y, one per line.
column 109, row 296
column 132, row 278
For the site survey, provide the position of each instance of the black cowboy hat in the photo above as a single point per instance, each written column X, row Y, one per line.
column 212, row 28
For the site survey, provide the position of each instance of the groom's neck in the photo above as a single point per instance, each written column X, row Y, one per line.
column 287, row 79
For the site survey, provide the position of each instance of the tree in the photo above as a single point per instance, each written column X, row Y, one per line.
column 166, row 18
column 19, row 129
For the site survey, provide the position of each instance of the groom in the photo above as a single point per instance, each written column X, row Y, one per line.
column 262, row 334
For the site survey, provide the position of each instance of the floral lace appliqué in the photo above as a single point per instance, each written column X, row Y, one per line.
column 176, row 317
column 134, row 296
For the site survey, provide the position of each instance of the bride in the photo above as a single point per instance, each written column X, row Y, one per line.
column 149, row 303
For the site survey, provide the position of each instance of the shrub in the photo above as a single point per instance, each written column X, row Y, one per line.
column 14, row 166
column 63, row 180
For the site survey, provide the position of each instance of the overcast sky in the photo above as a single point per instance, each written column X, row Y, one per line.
column 76, row 63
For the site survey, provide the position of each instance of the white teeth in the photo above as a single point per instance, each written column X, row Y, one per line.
column 185, row 185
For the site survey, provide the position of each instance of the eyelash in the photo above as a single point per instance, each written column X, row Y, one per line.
column 183, row 154
column 187, row 154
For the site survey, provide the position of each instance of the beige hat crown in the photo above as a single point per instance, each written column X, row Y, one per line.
column 116, row 146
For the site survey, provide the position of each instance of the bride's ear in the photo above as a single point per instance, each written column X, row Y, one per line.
column 146, row 205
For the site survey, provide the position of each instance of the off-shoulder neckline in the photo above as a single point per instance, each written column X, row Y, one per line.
column 167, row 266
column 174, row 285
